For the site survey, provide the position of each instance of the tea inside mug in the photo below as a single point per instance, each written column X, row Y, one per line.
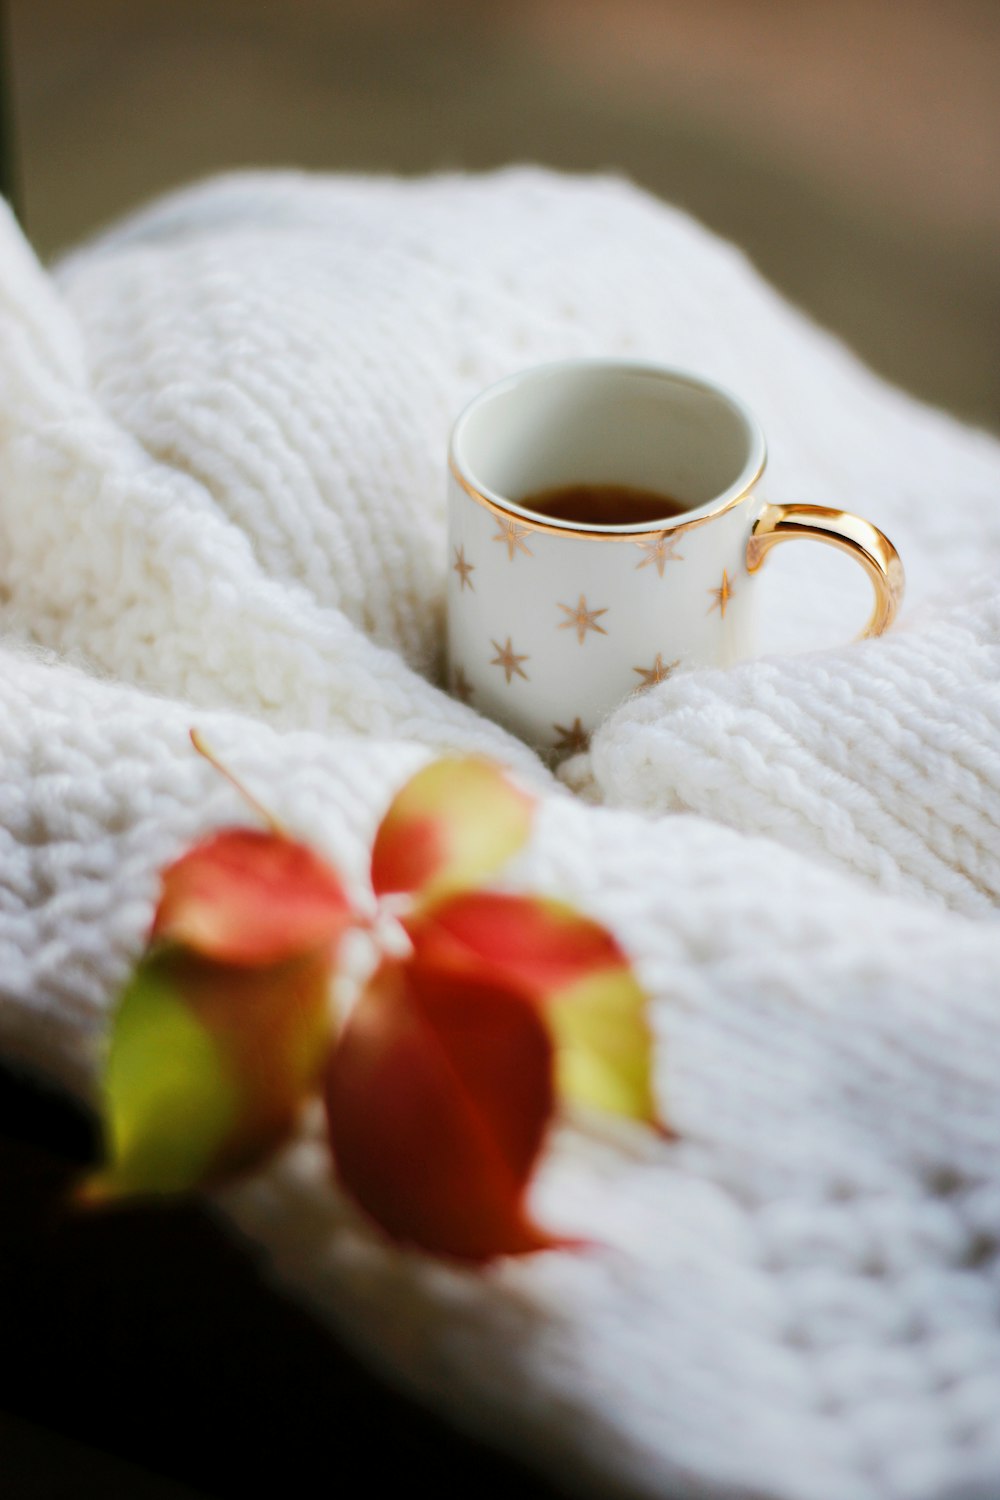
column 547, row 441
column 603, row 504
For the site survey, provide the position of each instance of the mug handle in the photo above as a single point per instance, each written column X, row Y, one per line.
column 860, row 539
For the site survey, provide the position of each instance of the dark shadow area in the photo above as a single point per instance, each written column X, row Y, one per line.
column 146, row 1356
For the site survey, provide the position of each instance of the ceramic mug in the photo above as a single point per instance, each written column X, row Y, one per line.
column 553, row 621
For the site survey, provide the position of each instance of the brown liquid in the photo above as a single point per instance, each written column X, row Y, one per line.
column 603, row 504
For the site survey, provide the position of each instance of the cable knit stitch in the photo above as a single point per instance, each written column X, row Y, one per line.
column 222, row 429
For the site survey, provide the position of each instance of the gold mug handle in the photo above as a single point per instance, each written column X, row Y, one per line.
column 863, row 541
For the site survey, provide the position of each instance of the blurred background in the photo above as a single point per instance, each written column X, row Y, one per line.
column 851, row 147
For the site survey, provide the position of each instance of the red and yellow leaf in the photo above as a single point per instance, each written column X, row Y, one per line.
column 453, row 824
column 248, row 897
column 207, row 1070
column 574, row 969
column 439, row 1093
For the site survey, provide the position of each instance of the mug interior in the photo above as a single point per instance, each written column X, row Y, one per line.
column 597, row 422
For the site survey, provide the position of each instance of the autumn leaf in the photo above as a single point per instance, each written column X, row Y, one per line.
column 247, row 896
column 207, row 1069
column 440, row 1088
column 574, row 969
column 438, row 1097
column 452, row 825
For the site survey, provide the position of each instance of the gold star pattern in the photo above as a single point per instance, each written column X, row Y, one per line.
column 658, row 672
column 659, row 551
column 582, row 618
column 463, row 569
column 513, row 534
column 461, row 686
column 507, row 658
column 571, row 740
column 721, row 595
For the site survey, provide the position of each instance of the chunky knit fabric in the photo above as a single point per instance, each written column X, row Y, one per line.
column 222, row 434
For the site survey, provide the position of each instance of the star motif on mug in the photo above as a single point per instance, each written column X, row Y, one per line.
column 721, row 595
column 582, row 619
column 461, row 686
column 658, row 672
column 508, row 659
column 463, row 569
column 572, row 740
column 659, row 550
column 513, row 535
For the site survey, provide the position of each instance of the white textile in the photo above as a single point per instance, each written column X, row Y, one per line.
column 222, row 436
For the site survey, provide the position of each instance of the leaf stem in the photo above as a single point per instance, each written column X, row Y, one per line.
column 248, row 797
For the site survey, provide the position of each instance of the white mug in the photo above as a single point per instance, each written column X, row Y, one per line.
column 553, row 621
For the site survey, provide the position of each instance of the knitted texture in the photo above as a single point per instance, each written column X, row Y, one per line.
column 222, row 433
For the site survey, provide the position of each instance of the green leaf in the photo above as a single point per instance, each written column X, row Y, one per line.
column 209, row 1066
column 170, row 1100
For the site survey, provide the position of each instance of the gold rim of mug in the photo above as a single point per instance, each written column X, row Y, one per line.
column 527, row 518
column 698, row 515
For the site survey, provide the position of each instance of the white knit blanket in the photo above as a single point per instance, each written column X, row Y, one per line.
column 222, row 438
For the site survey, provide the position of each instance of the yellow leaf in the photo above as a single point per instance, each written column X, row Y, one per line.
column 604, row 1044
column 452, row 825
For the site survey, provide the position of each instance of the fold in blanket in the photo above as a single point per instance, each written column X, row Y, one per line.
column 222, row 433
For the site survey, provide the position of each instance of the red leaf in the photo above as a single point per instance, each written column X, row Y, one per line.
column 439, row 1093
column 540, row 944
column 273, row 1024
column 574, row 969
column 248, row 897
